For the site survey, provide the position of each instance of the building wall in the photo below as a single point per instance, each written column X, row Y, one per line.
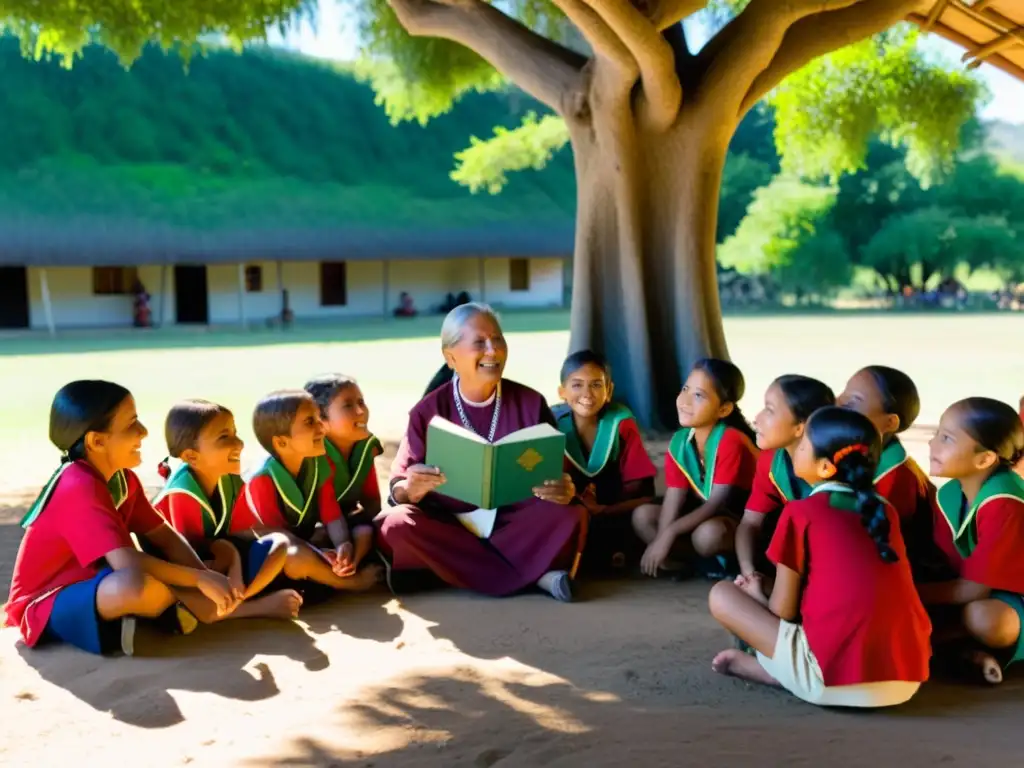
column 429, row 282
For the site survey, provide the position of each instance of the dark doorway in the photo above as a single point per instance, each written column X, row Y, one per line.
column 191, row 300
column 13, row 297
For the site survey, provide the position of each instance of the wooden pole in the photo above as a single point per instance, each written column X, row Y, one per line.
column 241, row 295
column 44, row 285
column 387, row 287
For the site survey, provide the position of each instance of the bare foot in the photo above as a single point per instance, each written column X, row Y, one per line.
column 736, row 663
column 365, row 578
column 282, row 604
column 985, row 663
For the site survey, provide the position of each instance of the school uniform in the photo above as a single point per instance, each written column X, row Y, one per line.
column 275, row 499
column 70, row 528
column 775, row 484
column 202, row 520
column 355, row 479
column 617, row 458
column 983, row 543
column 863, row 640
column 730, row 458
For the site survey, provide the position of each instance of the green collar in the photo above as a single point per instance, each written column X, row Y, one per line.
column 228, row 489
column 606, row 443
column 846, row 495
column 295, row 500
column 683, row 450
column 893, row 455
column 785, row 480
column 117, row 485
column 350, row 474
column 1002, row 484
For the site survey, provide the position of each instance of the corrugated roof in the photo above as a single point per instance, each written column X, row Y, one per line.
column 991, row 31
column 71, row 242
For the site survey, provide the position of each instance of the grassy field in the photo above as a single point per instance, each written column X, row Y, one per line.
column 949, row 355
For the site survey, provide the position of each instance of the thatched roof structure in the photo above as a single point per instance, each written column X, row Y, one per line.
column 991, row 31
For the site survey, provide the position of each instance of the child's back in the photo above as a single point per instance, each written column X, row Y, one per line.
column 862, row 616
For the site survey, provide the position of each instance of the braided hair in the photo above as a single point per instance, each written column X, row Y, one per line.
column 853, row 445
column 729, row 386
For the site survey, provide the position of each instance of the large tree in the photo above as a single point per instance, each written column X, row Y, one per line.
column 649, row 118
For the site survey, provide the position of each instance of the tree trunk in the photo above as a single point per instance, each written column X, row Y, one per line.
column 645, row 287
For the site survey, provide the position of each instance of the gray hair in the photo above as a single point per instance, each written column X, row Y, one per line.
column 455, row 321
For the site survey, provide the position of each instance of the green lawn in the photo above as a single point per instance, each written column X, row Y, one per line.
column 949, row 355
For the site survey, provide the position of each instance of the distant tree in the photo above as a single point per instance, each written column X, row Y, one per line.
column 648, row 117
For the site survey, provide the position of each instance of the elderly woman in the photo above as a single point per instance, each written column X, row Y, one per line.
column 534, row 542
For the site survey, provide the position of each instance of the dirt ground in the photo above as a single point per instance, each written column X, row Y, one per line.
column 447, row 678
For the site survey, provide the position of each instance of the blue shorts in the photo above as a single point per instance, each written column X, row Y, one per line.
column 253, row 553
column 74, row 619
column 1016, row 602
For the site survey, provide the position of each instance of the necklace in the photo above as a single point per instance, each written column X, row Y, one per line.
column 462, row 413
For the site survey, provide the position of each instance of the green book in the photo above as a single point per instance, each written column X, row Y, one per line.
column 492, row 475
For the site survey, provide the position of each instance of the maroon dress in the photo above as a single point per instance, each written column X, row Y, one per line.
column 529, row 538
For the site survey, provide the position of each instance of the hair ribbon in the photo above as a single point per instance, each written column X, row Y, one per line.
column 842, row 453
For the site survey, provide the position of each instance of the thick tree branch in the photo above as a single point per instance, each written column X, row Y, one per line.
column 605, row 43
column 669, row 12
column 653, row 54
column 543, row 68
column 823, row 33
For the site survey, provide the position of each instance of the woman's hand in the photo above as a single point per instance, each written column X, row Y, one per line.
column 556, row 491
column 216, row 588
column 656, row 554
column 420, row 480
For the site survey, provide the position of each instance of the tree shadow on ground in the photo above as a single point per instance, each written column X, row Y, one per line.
column 620, row 686
column 217, row 659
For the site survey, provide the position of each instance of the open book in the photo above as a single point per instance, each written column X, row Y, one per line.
column 492, row 475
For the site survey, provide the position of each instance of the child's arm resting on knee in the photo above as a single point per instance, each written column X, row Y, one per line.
column 671, row 507
column 785, row 599
column 746, row 540
column 956, row 592
column 174, row 547
column 715, row 505
column 213, row 585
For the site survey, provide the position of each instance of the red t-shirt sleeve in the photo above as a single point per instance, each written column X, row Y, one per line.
column 138, row 512
column 185, row 515
column 261, row 499
column 735, row 462
column 242, row 518
column 371, row 488
column 789, row 544
column 329, row 507
column 764, row 495
column 674, row 477
column 996, row 561
column 634, row 463
column 93, row 528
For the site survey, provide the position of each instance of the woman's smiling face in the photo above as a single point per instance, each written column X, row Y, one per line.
column 479, row 356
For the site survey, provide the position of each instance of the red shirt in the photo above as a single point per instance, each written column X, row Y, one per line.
column 633, row 465
column 997, row 560
column 735, row 463
column 263, row 505
column 765, row 498
column 903, row 488
column 863, row 618
column 370, row 489
column 68, row 541
column 186, row 516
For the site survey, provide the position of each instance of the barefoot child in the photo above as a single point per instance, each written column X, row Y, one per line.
column 788, row 403
column 351, row 449
column 709, row 470
column 841, row 567
column 980, row 527
column 292, row 491
column 79, row 577
column 199, row 501
column 605, row 456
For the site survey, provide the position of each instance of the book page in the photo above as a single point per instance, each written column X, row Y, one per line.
column 479, row 522
column 529, row 433
column 440, row 422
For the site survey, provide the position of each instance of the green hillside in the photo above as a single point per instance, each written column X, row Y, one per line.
column 265, row 137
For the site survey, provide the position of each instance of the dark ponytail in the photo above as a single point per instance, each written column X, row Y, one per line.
column 81, row 407
column 851, row 442
column 898, row 392
column 729, row 386
column 804, row 395
column 994, row 426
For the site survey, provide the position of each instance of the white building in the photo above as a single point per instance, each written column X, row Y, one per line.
column 85, row 279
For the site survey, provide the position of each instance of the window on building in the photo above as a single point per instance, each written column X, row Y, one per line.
column 112, row 281
column 333, row 285
column 519, row 274
column 253, row 279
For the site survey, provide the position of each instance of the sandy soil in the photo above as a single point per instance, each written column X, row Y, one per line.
column 451, row 679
